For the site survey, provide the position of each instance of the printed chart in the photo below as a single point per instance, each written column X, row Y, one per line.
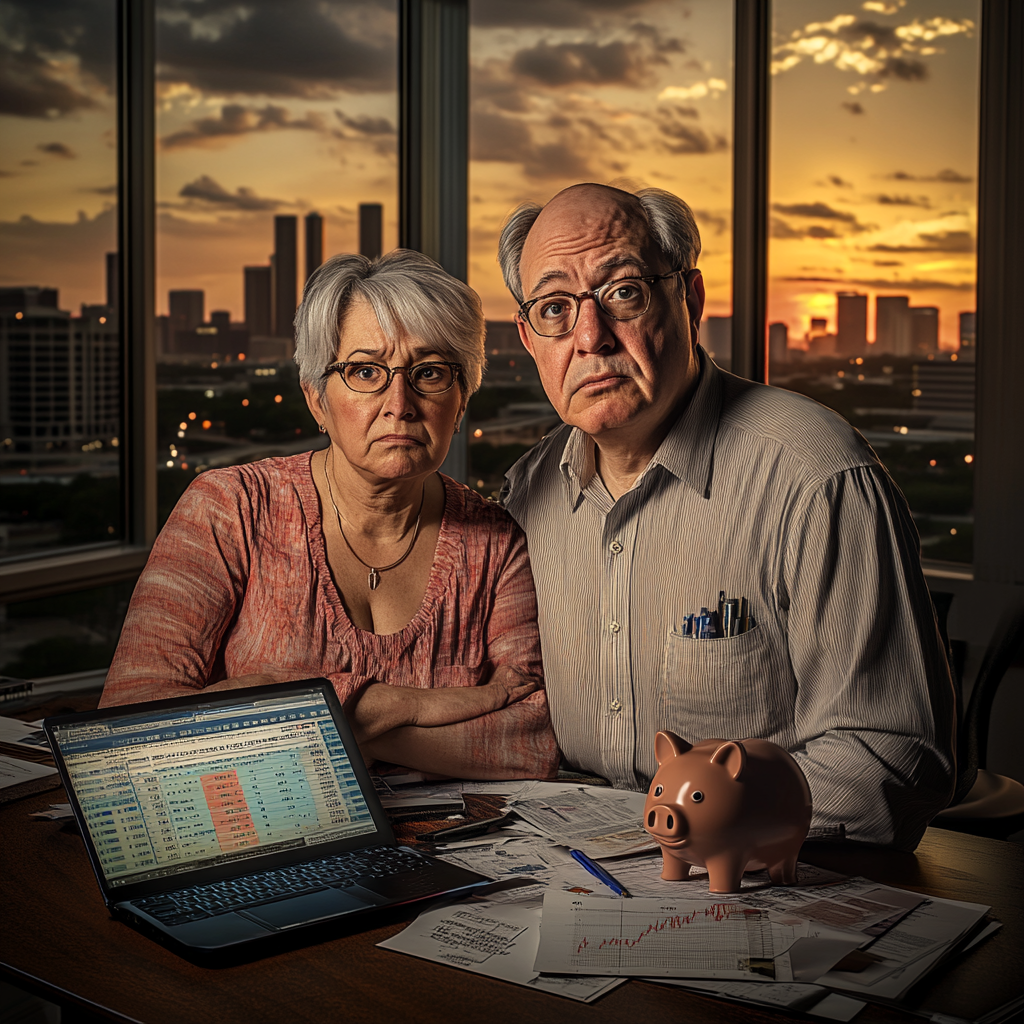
column 654, row 938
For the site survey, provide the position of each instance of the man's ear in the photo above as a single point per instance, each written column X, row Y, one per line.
column 694, row 299
column 525, row 335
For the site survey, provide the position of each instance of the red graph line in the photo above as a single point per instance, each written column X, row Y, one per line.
column 718, row 911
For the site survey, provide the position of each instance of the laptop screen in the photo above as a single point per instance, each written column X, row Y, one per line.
column 165, row 792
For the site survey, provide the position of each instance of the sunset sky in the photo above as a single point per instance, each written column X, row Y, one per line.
column 267, row 107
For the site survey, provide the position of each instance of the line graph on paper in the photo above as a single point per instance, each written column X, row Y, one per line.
column 653, row 937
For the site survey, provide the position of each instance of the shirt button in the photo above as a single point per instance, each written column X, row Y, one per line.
column 616, row 705
column 614, row 627
column 615, row 547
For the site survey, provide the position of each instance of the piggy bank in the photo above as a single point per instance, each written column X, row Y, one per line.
column 729, row 806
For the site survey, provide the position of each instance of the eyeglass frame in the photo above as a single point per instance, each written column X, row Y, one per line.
column 456, row 368
column 595, row 294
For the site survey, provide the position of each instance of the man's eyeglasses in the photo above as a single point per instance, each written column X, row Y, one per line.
column 625, row 298
column 424, row 378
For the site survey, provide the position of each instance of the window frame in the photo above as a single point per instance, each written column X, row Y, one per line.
column 433, row 212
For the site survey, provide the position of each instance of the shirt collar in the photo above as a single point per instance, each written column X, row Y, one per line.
column 687, row 451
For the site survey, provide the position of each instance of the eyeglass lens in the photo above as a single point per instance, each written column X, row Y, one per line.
column 554, row 315
column 426, row 378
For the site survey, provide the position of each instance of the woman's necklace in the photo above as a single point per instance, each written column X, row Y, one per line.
column 374, row 578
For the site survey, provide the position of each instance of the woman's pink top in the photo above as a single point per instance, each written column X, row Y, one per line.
column 238, row 583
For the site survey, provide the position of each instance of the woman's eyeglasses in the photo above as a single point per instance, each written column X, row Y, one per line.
column 428, row 378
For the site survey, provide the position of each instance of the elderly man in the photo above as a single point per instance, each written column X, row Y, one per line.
column 671, row 482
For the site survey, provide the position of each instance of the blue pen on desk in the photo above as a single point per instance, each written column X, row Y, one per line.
column 599, row 873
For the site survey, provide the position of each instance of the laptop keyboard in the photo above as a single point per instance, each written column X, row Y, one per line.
column 197, row 902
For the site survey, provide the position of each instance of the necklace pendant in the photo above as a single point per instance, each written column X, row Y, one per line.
column 373, row 579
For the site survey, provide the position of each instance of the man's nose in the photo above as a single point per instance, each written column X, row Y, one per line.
column 593, row 331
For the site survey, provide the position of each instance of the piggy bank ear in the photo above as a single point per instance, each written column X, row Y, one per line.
column 732, row 756
column 668, row 745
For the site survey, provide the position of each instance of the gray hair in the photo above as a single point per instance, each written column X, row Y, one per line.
column 669, row 220
column 407, row 292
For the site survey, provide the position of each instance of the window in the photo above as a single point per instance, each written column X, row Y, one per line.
column 276, row 147
column 223, row 124
column 60, row 400
column 640, row 95
column 873, row 221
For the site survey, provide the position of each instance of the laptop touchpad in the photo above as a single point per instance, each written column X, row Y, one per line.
column 315, row 906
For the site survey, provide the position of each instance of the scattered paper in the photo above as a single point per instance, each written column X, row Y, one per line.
column 810, row 999
column 599, row 822
column 23, row 734
column 497, row 940
column 909, row 950
column 14, row 771
column 531, row 857
column 56, row 812
column 715, row 937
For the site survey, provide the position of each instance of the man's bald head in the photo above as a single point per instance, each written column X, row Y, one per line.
column 667, row 221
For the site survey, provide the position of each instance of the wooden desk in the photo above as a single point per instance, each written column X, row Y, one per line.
column 58, row 941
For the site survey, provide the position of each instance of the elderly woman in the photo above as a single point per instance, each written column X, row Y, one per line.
column 360, row 563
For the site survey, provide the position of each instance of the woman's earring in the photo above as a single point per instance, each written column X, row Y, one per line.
column 322, row 428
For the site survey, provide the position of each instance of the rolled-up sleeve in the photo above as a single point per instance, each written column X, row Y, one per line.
column 874, row 700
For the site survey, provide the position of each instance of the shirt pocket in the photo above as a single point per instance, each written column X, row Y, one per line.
column 729, row 688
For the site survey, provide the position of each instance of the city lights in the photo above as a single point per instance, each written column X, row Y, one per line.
column 279, row 399
column 245, row 402
column 968, row 459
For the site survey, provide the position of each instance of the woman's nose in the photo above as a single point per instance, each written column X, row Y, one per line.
column 398, row 395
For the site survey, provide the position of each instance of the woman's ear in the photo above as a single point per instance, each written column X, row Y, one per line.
column 316, row 406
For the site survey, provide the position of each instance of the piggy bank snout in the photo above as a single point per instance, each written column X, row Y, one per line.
column 666, row 821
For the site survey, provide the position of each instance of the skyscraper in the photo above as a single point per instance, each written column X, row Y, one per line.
column 314, row 242
column 186, row 307
column 892, row 324
column 924, row 329
column 60, row 384
column 257, row 301
column 371, row 230
column 286, row 230
column 851, row 324
column 778, row 343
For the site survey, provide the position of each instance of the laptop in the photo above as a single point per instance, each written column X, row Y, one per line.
column 219, row 822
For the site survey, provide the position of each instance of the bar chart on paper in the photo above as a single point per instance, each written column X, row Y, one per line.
column 654, row 938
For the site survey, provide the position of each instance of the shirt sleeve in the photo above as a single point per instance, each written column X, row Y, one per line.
column 874, row 702
column 516, row 741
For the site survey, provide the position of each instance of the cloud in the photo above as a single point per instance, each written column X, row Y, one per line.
column 718, row 223
column 820, row 211
column 495, row 136
column 304, row 48
column 834, row 179
column 235, row 120
column 946, row 177
column 913, row 284
column 206, row 190
column 887, row 200
column 875, row 52
column 853, row 107
column 64, row 254
column 783, row 230
column 57, row 149
column 619, row 62
column 677, row 136
column 887, row 263
column 56, row 58
column 366, row 125
column 712, row 87
column 940, row 241
column 573, row 14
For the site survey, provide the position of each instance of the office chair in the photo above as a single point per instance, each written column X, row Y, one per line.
column 984, row 803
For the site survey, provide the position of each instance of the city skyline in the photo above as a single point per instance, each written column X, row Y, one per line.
column 873, row 140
